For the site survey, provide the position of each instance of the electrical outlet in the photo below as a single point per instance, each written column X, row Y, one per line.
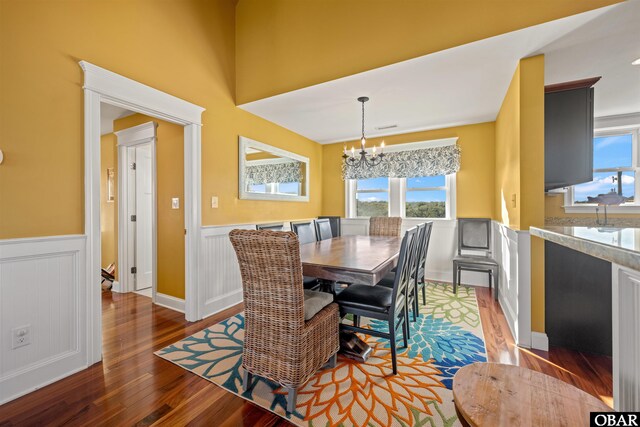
column 175, row 203
column 21, row 336
column 214, row 201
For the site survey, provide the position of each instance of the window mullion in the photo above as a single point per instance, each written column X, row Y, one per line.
column 396, row 196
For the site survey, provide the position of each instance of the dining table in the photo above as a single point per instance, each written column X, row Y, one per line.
column 351, row 259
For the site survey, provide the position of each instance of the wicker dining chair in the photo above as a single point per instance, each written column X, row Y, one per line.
column 290, row 333
column 385, row 226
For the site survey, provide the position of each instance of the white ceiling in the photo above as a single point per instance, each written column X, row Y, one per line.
column 109, row 113
column 604, row 47
column 467, row 84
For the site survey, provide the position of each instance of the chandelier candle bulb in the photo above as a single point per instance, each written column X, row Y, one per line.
column 382, row 147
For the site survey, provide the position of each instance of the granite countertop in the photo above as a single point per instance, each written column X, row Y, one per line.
column 590, row 221
column 619, row 245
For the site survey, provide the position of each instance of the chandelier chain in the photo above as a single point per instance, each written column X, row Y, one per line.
column 363, row 120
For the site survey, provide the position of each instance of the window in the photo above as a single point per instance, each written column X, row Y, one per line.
column 288, row 188
column 372, row 197
column 615, row 163
column 419, row 197
column 426, row 197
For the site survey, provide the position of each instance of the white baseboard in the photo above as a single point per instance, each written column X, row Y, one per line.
column 539, row 341
column 168, row 301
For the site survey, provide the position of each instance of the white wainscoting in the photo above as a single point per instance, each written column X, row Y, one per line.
column 626, row 339
column 221, row 284
column 42, row 285
column 442, row 248
column 512, row 251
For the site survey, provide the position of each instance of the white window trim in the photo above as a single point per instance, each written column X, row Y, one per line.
column 570, row 207
column 397, row 198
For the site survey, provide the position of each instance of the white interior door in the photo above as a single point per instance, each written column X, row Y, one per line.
column 144, row 212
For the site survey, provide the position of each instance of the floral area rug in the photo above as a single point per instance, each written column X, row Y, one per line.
column 446, row 336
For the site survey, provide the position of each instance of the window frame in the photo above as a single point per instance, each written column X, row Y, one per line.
column 397, row 197
column 569, row 192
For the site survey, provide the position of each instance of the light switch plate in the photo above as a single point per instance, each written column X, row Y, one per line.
column 175, row 203
column 214, row 201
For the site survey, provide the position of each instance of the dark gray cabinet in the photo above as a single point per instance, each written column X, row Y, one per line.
column 578, row 313
column 568, row 134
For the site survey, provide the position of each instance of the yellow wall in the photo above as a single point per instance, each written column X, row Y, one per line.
column 185, row 48
column 284, row 45
column 532, row 174
column 520, row 167
column 474, row 181
column 507, row 156
column 108, row 212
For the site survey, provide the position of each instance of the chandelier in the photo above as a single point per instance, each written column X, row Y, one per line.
column 363, row 158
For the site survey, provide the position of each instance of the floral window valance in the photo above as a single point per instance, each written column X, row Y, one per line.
column 410, row 163
column 274, row 173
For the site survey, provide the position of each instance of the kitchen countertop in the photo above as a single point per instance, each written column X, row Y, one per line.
column 619, row 245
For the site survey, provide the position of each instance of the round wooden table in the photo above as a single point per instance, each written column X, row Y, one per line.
column 493, row 394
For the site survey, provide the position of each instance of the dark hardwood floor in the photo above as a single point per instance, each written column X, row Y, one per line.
column 133, row 387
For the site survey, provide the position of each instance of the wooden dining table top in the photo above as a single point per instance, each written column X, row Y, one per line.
column 352, row 259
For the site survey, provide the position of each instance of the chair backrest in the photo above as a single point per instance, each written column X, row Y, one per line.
column 335, row 224
column 417, row 248
column 323, row 229
column 385, row 226
column 271, row 273
column 272, row 227
column 306, row 231
column 474, row 234
column 424, row 249
column 404, row 271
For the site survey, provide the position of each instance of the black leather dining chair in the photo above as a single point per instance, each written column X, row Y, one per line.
column 381, row 302
column 412, row 288
column 306, row 232
column 336, row 229
column 273, row 227
column 323, row 229
column 421, row 282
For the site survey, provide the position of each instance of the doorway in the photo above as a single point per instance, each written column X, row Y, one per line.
column 137, row 209
column 141, row 187
column 101, row 85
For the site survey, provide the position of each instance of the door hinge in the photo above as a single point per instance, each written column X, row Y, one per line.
column 134, row 270
column 133, row 166
column 133, row 218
